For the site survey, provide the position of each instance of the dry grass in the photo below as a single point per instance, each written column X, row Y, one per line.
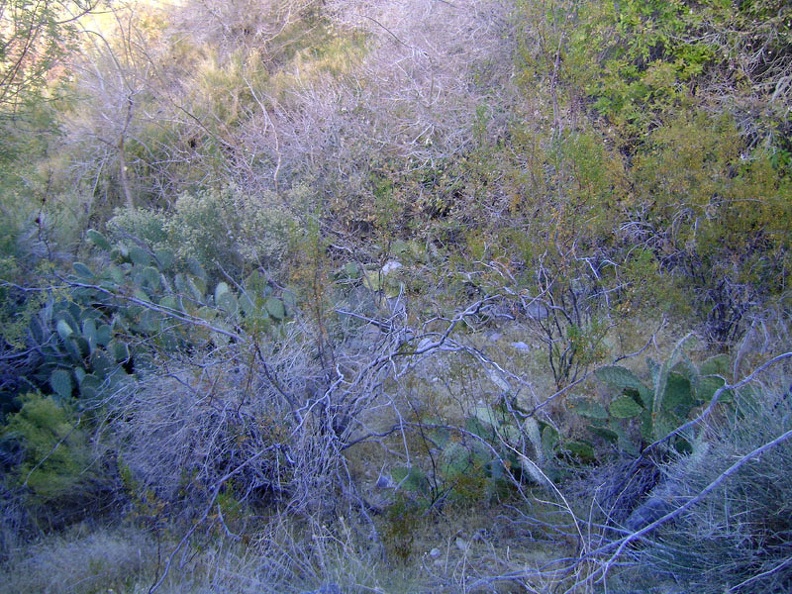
column 452, row 551
column 85, row 559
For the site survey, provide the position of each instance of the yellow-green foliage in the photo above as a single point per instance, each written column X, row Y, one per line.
column 57, row 456
column 224, row 87
column 747, row 243
column 228, row 89
column 633, row 58
column 588, row 194
column 719, row 216
column 326, row 52
column 683, row 171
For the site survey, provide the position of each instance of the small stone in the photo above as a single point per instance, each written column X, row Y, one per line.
column 385, row 482
column 520, row 346
column 537, row 311
column 435, row 553
column 425, row 343
column 462, row 544
column 390, row 266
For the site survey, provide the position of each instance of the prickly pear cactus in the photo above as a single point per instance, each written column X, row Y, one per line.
column 642, row 412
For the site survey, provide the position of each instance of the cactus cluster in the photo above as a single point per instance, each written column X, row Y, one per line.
column 639, row 413
column 166, row 290
column 80, row 351
column 109, row 320
column 464, row 466
column 498, row 445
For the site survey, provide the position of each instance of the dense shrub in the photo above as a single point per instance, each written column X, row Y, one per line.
column 737, row 538
column 226, row 232
column 59, row 471
column 713, row 518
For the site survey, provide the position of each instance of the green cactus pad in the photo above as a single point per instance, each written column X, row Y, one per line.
column 61, row 383
column 625, row 407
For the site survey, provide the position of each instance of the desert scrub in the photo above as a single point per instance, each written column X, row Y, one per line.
column 225, row 229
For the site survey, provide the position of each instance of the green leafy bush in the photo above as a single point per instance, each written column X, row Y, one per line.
column 222, row 230
column 57, row 465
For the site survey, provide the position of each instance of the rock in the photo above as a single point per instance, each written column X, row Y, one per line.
column 425, row 343
column 385, row 482
column 661, row 501
column 537, row 311
column 390, row 266
column 650, row 511
column 520, row 346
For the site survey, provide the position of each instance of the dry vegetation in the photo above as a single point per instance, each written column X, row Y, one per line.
column 418, row 296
